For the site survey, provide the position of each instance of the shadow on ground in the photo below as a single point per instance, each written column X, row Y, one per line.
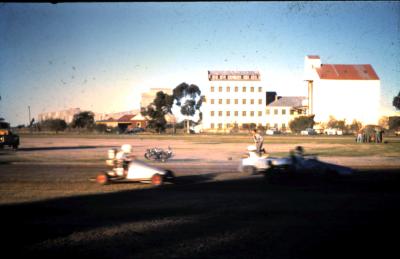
column 28, row 149
column 247, row 218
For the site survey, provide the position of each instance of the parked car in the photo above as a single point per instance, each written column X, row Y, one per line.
column 308, row 131
column 333, row 131
column 272, row 131
column 7, row 137
column 135, row 130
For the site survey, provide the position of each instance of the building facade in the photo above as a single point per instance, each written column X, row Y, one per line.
column 66, row 115
column 284, row 109
column 233, row 98
column 343, row 91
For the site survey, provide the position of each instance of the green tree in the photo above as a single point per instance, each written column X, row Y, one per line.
column 189, row 99
column 54, row 125
column 355, row 126
column 301, row 123
column 83, row 119
column 334, row 123
column 157, row 110
column 396, row 101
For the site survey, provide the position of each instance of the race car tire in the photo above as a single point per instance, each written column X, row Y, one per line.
column 102, row 179
column 169, row 176
column 157, row 180
column 249, row 170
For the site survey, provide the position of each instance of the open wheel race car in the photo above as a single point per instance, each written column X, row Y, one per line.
column 133, row 171
column 297, row 164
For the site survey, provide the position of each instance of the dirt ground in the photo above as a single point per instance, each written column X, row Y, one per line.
column 49, row 208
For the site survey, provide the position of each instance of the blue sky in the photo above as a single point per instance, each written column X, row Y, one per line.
column 101, row 56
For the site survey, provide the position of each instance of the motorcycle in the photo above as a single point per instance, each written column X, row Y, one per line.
column 158, row 154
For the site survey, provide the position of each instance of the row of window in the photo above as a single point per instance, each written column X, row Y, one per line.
column 236, row 89
column 235, row 113
column 229, row 125
column 241, row 77
column 235, row 101
column 283, row 111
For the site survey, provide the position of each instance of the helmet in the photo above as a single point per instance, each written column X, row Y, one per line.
column 126, row 148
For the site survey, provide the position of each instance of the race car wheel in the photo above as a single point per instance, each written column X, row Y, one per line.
column 102, row 179
column 169, row 176
column 249, row 170
column 156, row 180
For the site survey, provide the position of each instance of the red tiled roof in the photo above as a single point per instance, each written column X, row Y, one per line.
column 126, row 118
column 347, row 72
column 313, row 56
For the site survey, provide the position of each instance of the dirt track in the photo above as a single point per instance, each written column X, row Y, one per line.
column 49, row 209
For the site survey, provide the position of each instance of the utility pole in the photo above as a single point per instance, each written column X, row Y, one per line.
column 29, row 123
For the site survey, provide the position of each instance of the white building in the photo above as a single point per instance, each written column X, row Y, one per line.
column 344, row 91
column 284, row 109
column 66, row 115
column 233, row 98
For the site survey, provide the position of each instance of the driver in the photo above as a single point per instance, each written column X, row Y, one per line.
column 124, row 157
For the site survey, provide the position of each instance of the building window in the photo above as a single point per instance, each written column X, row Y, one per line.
column 236, row 101
column 228, row 89
column 219, row 101
column 220, row 89
column 291, row 112
column 276, row 125
column 251, row 101
column 259, row 88
column 212, row 101
column 252, row 113
column 228, row 113
column 283, row 111
column 219, row 125
column 259, row 101
column 259, row 113
column 267, row 111
column 219, row 113
column 243, row 113
column 228, row 101
column 244, row 89
column 267, row 125
column 212, row 88
column 276, row 111
column 243, row 101
column 236, row 88
column 211, row 113
column 228, row 125
column 236, row 113
column 252, row 89
column 283, row 126
column 212, row 125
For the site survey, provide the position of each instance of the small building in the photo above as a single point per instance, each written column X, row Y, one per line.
column 284, row 109
column 126, row 122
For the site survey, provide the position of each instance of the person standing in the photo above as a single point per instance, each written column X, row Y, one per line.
column 259, row 141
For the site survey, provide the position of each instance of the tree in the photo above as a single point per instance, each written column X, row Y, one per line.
column 384, row 122
column 301, row 123
column 83, row 119
column 355, row 126
column 54, row 124
column 157, row 110
column 339, row 124
column 394, row 122
column 189, row 98
column 396, row 101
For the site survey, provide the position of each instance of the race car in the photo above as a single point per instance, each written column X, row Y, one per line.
column 134, row 171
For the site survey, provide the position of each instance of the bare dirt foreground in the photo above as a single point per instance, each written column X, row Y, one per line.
column 49, row 208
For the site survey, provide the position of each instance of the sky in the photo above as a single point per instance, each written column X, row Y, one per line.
column 102, row 56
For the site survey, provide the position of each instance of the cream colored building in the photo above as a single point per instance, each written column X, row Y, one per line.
column 149, row 96
column 66, row 115
column 284, row 109
column 233, row 97
column 344, row 91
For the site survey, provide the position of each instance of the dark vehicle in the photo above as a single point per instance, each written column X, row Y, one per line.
column 7, row 137
column 158, row 154
column 135, row 130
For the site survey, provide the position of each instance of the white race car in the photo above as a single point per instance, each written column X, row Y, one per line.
column 296, row 164
column 135, row 171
